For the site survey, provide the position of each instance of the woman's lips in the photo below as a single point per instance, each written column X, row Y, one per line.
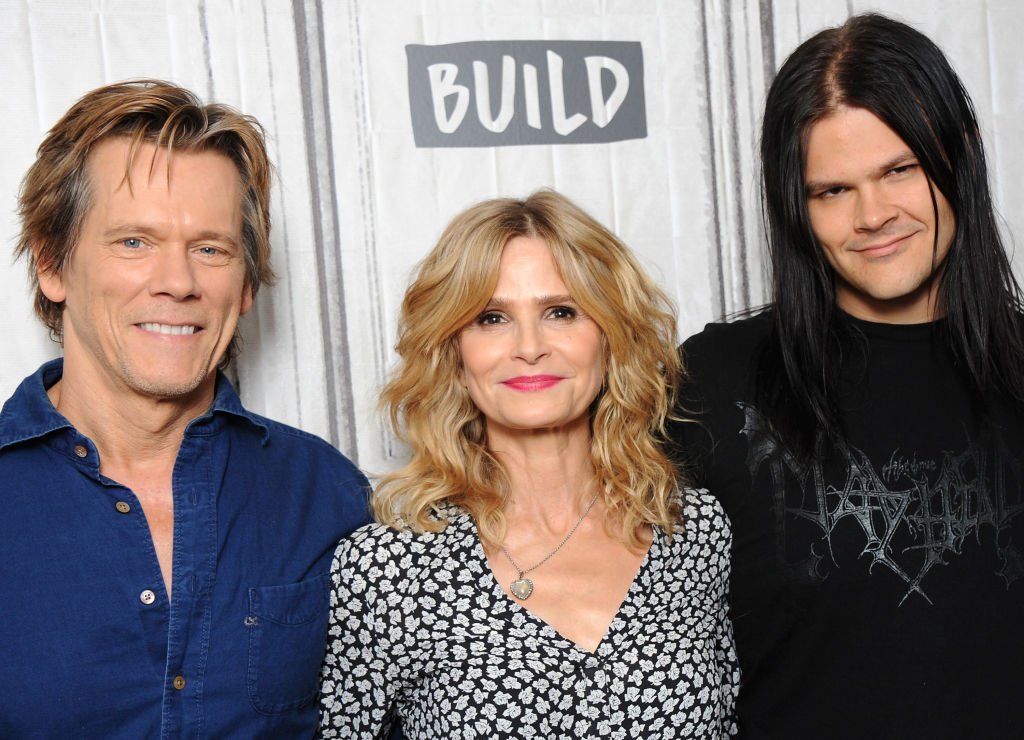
column 532, row 382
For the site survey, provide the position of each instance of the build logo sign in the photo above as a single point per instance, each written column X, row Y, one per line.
column 506, row 93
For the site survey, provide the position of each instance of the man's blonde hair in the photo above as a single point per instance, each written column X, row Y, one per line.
column 55, row 194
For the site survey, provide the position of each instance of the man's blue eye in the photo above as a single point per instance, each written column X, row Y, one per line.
column 132, row 243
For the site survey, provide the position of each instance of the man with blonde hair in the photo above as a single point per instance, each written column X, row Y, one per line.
column 164, row 552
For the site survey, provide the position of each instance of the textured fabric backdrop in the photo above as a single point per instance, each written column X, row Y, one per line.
column 356, row 203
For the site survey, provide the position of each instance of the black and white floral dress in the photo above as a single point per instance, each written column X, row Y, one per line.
column 420, row 627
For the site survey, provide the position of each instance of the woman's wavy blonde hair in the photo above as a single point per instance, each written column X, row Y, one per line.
column 432, row 412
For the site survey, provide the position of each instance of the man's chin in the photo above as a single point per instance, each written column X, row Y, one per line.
column 170, row 387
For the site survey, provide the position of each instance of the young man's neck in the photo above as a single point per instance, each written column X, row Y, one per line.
column 912, row 309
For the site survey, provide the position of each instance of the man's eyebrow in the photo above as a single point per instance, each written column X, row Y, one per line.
column 900, row 159
column 215, row 236
column 123, row 230
column 127, row 230
column 817, row 186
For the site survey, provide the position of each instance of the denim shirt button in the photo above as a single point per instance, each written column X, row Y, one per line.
column 147, row 597
column 81, row 451
column 179, row 682
column 123, row 507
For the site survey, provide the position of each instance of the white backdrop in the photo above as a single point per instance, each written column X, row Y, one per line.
column 356, row 204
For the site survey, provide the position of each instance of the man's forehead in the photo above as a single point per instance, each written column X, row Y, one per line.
column 118, row 161
column 853, row 136
column 146, row 191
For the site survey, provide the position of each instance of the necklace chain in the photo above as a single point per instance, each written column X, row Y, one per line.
column 557, row 548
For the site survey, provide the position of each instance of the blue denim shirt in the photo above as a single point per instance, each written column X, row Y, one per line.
column 90, row 646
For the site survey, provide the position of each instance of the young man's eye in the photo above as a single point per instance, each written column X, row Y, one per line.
column 831, row 192
column 902, row 169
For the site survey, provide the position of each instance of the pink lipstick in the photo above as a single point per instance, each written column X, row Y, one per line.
column 532, row 382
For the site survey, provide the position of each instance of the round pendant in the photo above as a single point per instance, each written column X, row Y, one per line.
column 521, row 588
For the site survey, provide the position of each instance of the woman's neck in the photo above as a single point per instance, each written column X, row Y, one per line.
column 550, row 473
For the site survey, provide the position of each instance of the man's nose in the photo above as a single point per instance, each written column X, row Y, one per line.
column 874, row 208
column 173, row 272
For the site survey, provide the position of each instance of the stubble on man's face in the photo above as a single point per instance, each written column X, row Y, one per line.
column 156, row 283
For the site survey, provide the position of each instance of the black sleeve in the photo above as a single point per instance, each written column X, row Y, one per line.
column 689, row 432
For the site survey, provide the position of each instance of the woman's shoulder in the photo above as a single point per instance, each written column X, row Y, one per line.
column 703, row 514
column 700, row 502
column 699, row 551
column 377, row 544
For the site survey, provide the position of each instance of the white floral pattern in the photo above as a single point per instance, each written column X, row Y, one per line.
column 420, row 627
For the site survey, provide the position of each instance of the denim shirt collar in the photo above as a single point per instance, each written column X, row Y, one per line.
column 29, row 414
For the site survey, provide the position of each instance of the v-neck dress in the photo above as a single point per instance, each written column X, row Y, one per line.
column 419, row 628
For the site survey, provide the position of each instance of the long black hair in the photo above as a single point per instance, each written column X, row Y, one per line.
column 902, row 77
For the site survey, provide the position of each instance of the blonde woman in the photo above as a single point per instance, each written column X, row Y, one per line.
column 536, row 571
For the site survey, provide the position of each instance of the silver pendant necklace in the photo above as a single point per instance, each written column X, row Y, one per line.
column 522, row 586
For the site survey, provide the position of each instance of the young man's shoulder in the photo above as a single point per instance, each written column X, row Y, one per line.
column 721, row 367
column 749, row 330
column 728, row 346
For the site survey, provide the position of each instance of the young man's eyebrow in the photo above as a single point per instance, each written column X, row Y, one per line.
column 817, row 186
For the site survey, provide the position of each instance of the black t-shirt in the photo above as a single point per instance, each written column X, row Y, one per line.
column 878, row 591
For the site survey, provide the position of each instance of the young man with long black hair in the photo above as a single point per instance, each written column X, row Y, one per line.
column 865, row 432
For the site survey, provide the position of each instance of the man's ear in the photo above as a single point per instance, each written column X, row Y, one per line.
column 51, row 281
column 246, row 299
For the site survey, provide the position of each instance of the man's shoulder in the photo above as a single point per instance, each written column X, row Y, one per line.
column 282, row 440
column 272, row 462
column 28, row 414
column 278, row 443
column 721, row 368
column 282, row 433
column 748, row 331
column 727, row 346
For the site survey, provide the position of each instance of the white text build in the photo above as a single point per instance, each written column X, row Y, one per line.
column 504, row 93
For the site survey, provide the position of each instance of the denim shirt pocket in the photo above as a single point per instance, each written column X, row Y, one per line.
column 287, row 639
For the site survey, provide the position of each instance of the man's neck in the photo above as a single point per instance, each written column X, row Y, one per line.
column 920, row 307
column 131, row 430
